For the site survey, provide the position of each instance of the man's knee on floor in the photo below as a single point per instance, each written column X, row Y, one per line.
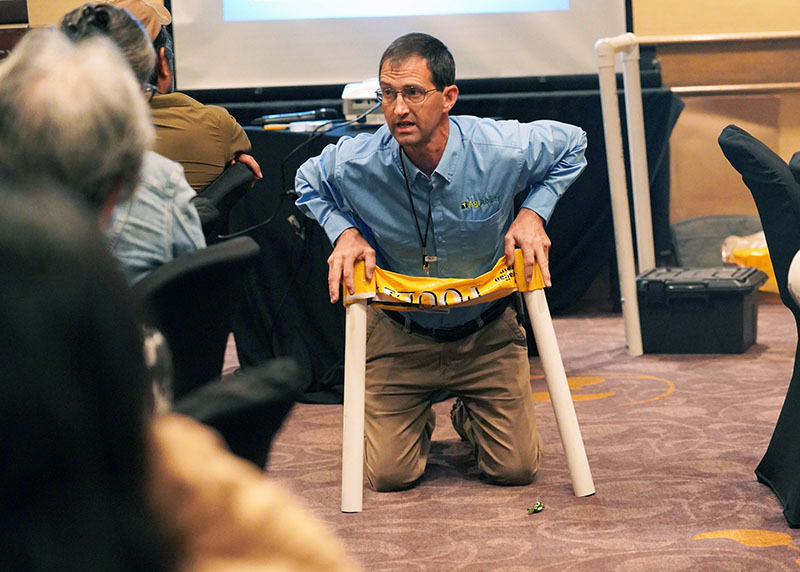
column 514, row 473
column 391, row 480
column 386, row 473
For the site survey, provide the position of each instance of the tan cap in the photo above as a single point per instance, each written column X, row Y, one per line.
column 151, row 13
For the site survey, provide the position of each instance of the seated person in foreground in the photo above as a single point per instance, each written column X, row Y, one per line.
column 76, row 398
column 92, row 481
column 204, row 139
column 432, row 194
column 75, row 114
column 159, row 222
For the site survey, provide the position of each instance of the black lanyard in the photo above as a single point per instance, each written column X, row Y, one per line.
column 423, row 238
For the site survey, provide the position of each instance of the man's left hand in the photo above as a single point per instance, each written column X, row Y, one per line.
column 527, row 232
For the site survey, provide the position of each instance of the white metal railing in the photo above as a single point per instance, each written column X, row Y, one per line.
column 607, row 50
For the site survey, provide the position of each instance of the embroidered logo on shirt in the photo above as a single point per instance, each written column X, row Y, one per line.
column 480, row 201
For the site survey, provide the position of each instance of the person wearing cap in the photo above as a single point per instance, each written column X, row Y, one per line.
column 158, row 222
column 202, row 138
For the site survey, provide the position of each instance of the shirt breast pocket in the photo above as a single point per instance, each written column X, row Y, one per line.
column 484, row 235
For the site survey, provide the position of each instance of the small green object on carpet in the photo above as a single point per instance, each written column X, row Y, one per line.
column 538, row 507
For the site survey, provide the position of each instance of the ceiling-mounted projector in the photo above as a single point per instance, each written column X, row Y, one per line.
column 358, row 98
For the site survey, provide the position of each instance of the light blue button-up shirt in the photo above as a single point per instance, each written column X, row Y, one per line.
column 157, row 223
column 358, row 182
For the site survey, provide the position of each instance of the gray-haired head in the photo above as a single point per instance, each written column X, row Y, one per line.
column 73, row 113
column 121, row 27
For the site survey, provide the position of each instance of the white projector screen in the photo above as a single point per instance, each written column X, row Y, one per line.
column 231, row 44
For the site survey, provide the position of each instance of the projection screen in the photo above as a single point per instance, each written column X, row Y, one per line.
column 228, row 44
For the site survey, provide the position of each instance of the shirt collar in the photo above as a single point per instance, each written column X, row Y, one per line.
column 172, row 99
column 449, row 161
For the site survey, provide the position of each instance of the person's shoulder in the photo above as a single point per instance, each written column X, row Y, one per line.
column 486, row 130
column 172, row 101
column 203, row 491
column 217, row 110
column 354, row 147
column 510, row 132
column 176, row 100
column 156, row 163
column 161, row 174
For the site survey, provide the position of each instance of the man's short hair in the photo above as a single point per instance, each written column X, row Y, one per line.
column 73, row 113
column 121, row 27
column 440, row 60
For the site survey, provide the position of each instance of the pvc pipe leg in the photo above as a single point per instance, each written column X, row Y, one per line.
column 355, row 343
column 560, row 396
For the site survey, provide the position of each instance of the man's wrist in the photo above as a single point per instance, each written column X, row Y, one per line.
column 541, row 218
column 345, row 231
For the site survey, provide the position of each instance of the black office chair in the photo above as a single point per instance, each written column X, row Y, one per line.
column 191, row 300
column 777, row 197
column 214, row 203
column 248, row 407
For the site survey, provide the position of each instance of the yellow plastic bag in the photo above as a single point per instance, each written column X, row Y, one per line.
column 751, row 250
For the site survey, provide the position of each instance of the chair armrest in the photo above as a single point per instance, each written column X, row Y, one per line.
column 232, row 179
column 207, row 212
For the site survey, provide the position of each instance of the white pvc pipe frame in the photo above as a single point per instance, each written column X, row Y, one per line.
column 606, row 49
column 355, row 380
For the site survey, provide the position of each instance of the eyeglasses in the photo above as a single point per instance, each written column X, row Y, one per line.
column 149, row 90
column 410, row 93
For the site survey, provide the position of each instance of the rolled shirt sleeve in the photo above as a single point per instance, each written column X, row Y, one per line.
column 319, row 196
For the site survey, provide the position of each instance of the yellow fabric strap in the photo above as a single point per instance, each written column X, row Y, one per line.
column 410, row 293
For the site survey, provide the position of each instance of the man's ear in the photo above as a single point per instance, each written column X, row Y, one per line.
column 164, row 71
column 161, row 61
column 450, row 94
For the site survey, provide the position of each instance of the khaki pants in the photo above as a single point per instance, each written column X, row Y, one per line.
column 489, row 372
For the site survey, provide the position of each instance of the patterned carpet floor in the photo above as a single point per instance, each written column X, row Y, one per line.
column 672, row 441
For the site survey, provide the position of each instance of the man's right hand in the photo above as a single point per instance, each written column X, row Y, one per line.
column 349, row 248
column 251, row 164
